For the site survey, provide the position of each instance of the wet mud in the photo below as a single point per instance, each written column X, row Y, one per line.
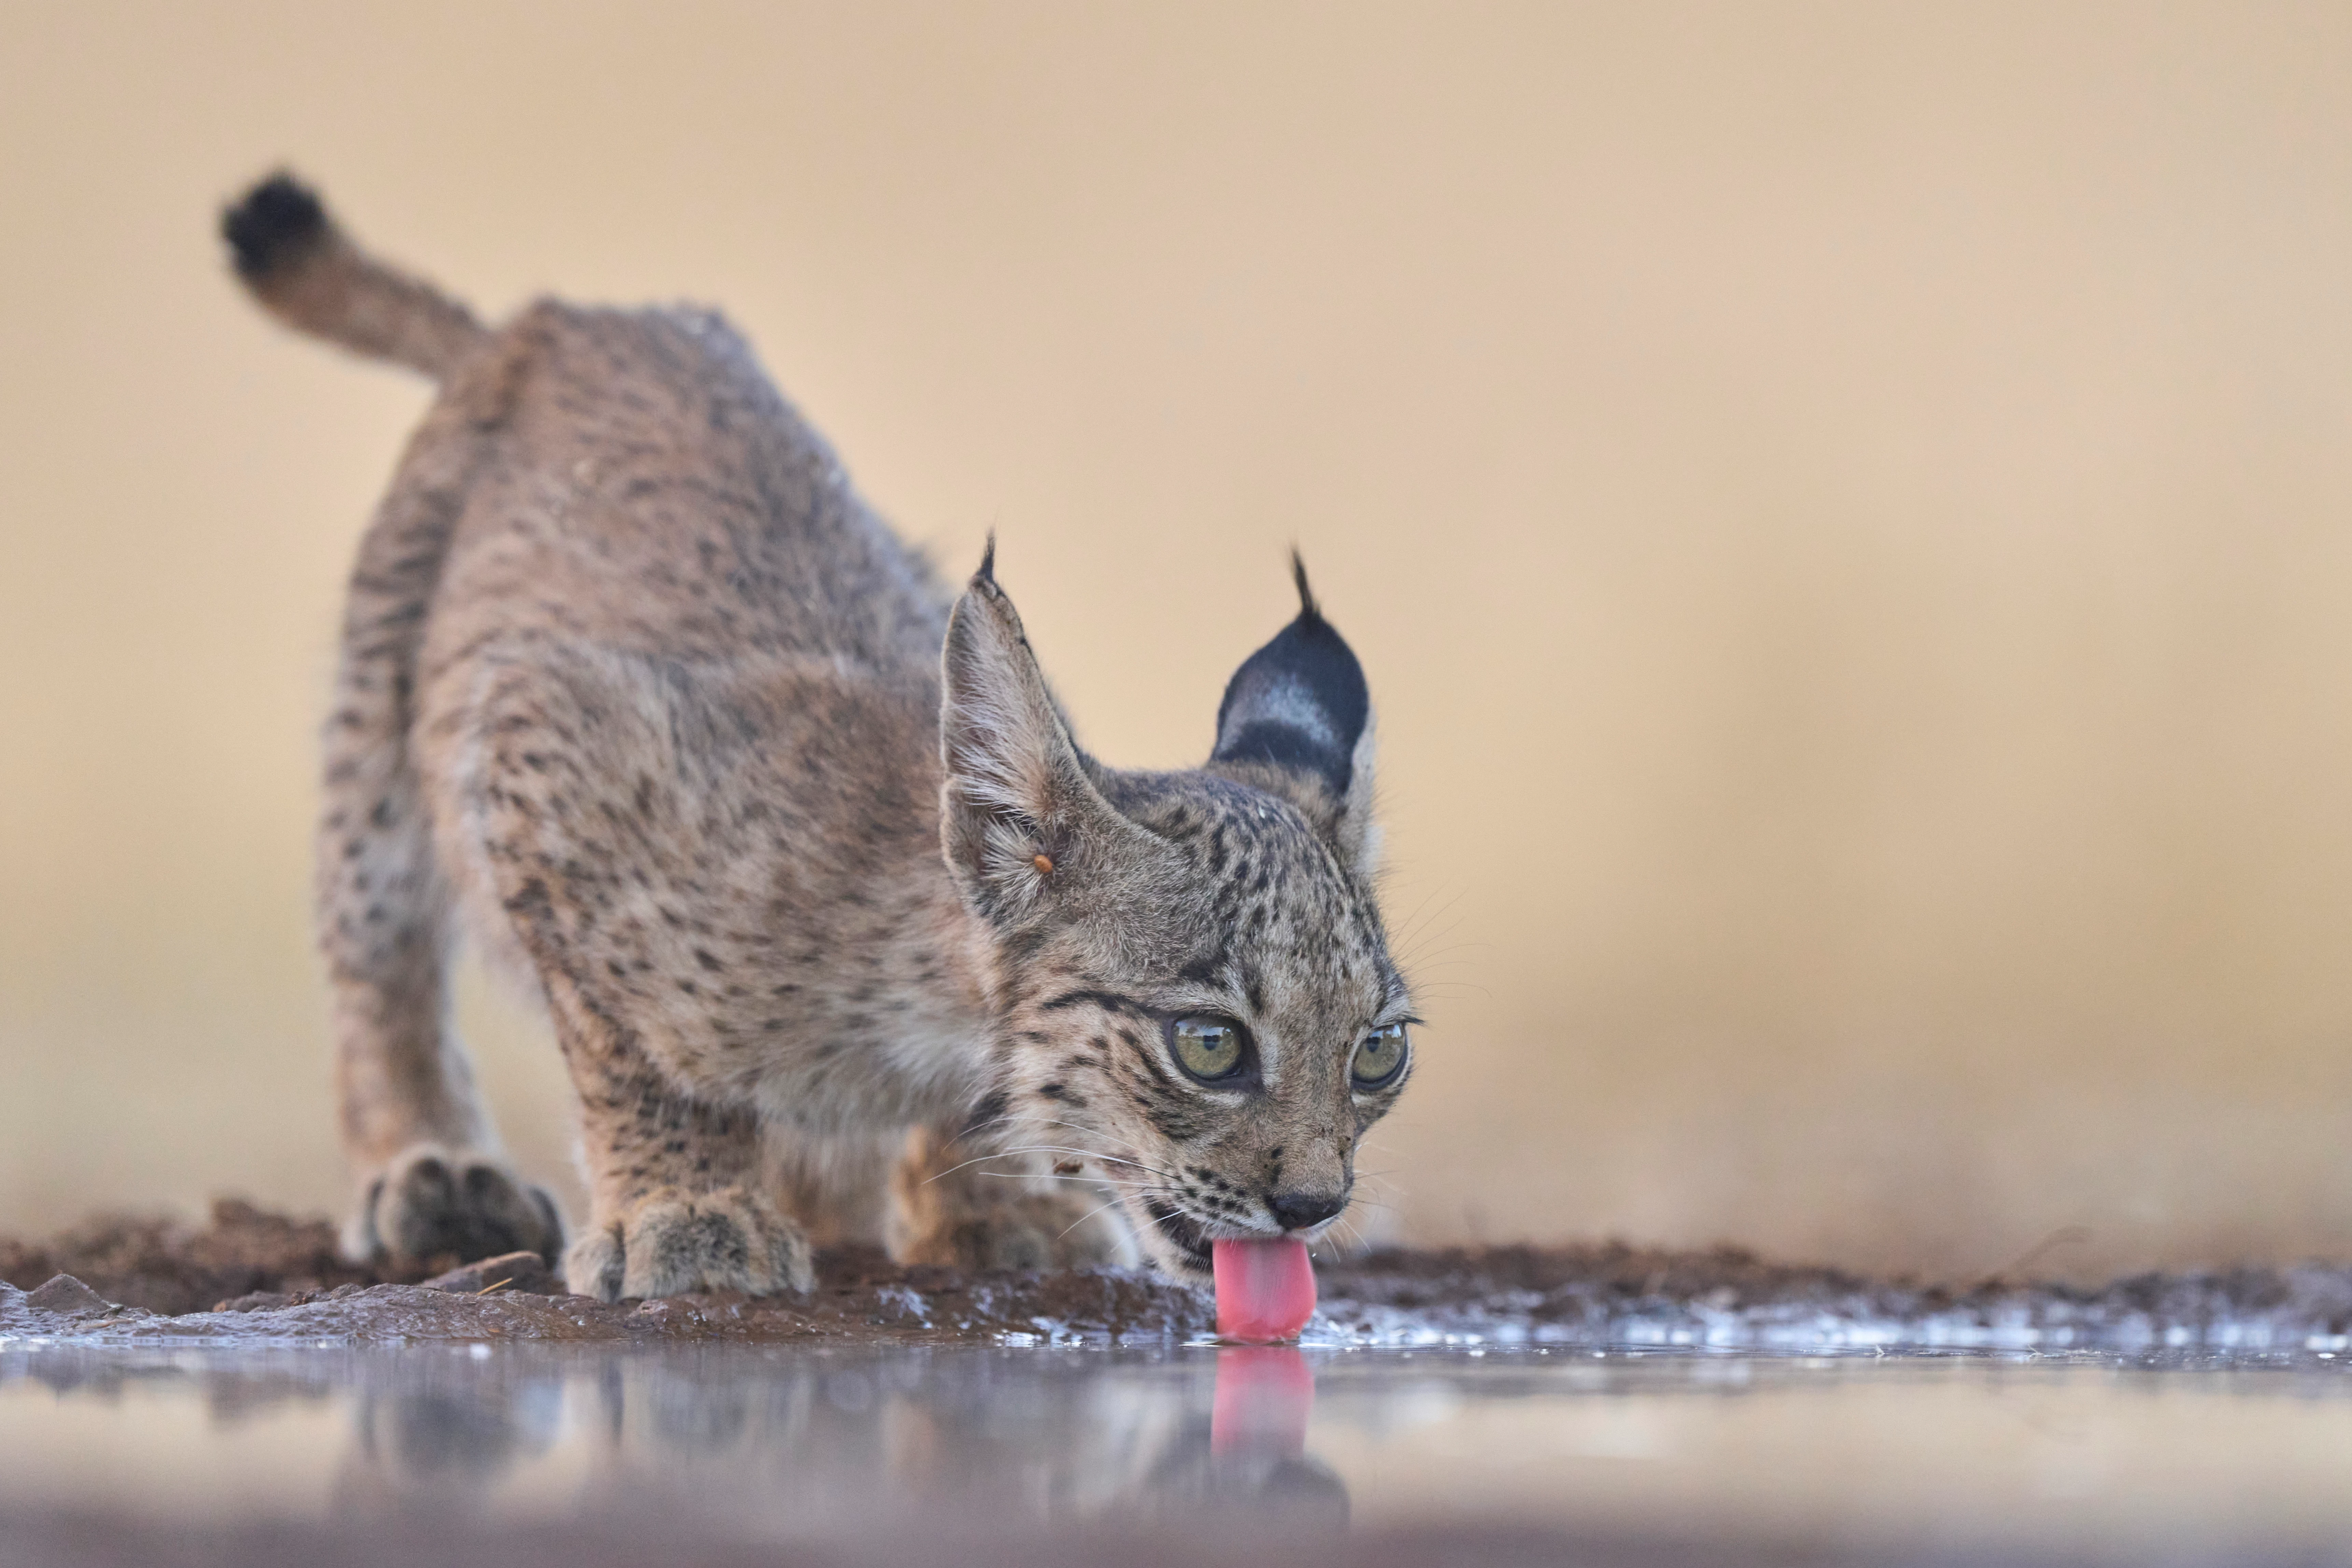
column 251, row 1276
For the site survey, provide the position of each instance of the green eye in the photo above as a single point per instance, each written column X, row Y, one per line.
column 1208, row 1049
column 1380, row 1058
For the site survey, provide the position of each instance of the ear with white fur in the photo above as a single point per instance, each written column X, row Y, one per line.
column 1299, row 707
column 1019, row 819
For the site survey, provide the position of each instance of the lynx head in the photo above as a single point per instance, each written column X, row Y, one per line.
column 1194, row 999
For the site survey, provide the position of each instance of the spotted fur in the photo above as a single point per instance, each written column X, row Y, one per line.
column 838, row 926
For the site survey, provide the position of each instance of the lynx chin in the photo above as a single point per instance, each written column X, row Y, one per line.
column 841, row 933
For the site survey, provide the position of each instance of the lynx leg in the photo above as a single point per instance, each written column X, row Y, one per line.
column 680, row 1200
column 954, row 1205
column 420, row 1146
column 420, row 1142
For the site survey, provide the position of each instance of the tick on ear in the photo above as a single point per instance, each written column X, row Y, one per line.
column 1043, row 864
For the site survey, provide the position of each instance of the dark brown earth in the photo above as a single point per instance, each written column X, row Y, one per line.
column 165, row 1265
column 251, row 1274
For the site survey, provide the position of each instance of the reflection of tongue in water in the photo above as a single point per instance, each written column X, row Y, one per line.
column 1265, row 1394
column 1257, row 1467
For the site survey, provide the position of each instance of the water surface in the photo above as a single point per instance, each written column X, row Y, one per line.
column 1877, row 1458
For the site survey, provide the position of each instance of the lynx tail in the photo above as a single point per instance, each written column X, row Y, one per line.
column 305, row 272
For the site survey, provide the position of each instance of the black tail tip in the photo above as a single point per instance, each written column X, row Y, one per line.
column 272, row 224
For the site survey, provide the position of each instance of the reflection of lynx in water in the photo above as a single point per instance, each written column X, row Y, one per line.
column 759, row 1442
column 636, row 689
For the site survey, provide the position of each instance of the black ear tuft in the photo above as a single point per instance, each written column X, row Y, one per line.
column 987, row 573
column 274, row 222
column 1300, row 701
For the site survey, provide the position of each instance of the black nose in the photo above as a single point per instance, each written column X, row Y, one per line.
column 1297, row 1211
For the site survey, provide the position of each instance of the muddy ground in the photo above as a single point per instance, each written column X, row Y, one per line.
column 247, row 1275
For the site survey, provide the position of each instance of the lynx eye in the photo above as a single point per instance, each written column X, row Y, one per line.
column 1208, row 1049
column 1380, row 1057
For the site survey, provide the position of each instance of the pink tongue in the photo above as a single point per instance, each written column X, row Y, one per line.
column 1266, row 1290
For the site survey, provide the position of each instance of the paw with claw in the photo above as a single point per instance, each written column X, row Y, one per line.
column 672, row 1242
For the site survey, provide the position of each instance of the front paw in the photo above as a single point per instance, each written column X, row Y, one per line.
column 436, row 1205
column 673, row 1242
column 1029, row 1232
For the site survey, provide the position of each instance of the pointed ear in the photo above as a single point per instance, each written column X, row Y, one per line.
column 1019, row 819
column 1298, row 708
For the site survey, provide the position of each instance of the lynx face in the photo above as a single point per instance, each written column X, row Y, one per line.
column 1196, row 1008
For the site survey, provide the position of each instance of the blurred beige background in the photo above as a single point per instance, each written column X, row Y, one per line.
column 1847, row 510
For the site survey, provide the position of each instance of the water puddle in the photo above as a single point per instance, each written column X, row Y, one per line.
column 232, row 1392
column 523, row 1452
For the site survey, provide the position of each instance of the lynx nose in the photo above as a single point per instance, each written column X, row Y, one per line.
column 1297, row 1211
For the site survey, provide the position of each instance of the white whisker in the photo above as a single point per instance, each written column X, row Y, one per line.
column 1082, row 1181
column 1087, row 1215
